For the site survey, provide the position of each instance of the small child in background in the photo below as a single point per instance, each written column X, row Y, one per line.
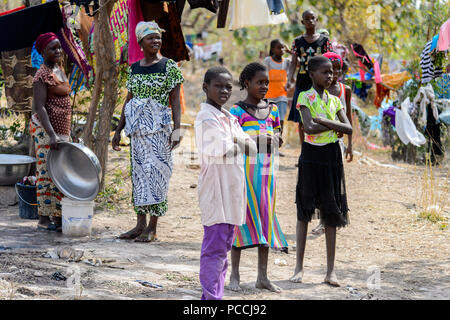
column 261, row 121
column 320, row 183
column 278, row 68
column 221, row 144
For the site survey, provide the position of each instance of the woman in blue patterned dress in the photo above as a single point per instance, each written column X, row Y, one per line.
column 152, row 82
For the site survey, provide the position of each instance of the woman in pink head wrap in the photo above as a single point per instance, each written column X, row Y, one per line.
column 344, row 93
column 50, row 124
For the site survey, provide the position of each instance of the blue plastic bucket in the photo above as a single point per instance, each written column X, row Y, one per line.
column 28, row 208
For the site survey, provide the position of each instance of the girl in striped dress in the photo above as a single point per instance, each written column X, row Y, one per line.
column 261, row 121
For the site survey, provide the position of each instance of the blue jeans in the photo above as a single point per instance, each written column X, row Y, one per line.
column 275, row 6
column 282, row 109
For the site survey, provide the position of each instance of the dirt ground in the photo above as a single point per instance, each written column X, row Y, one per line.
column 386, row 252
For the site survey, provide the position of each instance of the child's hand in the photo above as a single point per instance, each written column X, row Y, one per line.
column 349, row 153
column 339, row 134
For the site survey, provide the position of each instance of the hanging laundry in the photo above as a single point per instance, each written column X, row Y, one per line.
column 405, row 128
column 381, row 93
column 424, row 97
column 118, row 23
column 443, row 87
column 444, row 37
column 77, row 80
column 390, row 113
column 210, row 50
column 223, row 13
column 20, row 29
column 18, row 74
column 361, row 89
column 434, row 42
column 36, row 58
column 250, row 13
column 73, row 49
column 429, row 72
column 395, row 80
column 211, row 5
column 86, row 5
column 166, row 16
column 275, row 6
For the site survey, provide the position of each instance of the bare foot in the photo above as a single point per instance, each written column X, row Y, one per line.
column 133, row 233
column 146, row 237
column 266, row 284
column 332, row 280
column 234, row 283
column 297, row 277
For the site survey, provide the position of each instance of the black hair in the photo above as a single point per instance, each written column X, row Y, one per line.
column 214, row 72
column 249, row 72
column 273, row 43
column 316, row 62
column 308, row 11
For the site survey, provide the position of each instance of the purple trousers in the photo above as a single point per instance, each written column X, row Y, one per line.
column 217, row 241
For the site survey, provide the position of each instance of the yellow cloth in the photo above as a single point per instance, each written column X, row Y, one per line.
column 395, row 80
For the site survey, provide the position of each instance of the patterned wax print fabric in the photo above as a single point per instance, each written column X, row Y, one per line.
column 320, row 108
column 48, row 195
column 58, row 104
column 261, row 227
column 443, row 87
column 147, row 121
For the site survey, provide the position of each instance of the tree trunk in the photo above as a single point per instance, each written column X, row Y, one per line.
column 106, row 61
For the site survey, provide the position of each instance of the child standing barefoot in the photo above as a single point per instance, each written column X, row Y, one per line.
column 320, row 183
column 260, row 120
column 221, row 183
column 344, row 93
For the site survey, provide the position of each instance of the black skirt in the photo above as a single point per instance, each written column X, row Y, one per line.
column 320, row 191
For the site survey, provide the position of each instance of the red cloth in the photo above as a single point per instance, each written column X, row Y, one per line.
column 43, row 40
column 12, row 11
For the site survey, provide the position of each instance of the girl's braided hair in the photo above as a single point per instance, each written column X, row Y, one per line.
column 249, row 72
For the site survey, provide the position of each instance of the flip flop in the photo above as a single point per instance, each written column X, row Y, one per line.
column 153, row 238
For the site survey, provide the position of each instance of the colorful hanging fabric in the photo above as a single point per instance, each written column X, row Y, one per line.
column 444, row 37
column 36, row 58
column 429, row 72
column 73, row 49
column 77, row 80
column 119, row 28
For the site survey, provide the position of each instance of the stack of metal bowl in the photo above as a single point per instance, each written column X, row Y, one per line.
column 13, row 168
column 75, row 170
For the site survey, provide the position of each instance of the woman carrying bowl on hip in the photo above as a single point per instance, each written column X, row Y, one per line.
column 152, row 82
column 50, row 124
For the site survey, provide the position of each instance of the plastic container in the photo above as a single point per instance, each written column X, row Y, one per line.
column 28, row 208
column 77, row 217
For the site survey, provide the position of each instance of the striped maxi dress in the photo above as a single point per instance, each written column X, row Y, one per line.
column 261, row 227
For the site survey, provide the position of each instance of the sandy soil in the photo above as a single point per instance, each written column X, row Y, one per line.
column 385, row 240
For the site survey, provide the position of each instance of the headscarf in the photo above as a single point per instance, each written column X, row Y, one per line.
column 334, row 56
column 145, row 28
column 43, row 40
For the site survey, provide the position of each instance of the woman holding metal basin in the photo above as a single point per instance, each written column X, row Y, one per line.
column 152, row 82
column 50, row 124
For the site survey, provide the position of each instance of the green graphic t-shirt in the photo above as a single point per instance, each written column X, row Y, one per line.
column 319, row 108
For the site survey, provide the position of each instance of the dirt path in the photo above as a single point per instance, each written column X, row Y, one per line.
column 409, row 256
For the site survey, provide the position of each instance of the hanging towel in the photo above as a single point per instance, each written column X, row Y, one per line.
column 444, row 37
column 428, row 70
column 20, row 29
column 251, row 13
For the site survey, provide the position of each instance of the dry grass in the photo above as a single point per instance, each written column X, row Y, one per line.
column 433, row 197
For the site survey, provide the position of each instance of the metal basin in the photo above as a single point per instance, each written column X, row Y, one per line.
column 13, row 168
column 75, row 170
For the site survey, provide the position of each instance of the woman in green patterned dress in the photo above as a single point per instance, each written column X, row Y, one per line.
column 152, row 82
